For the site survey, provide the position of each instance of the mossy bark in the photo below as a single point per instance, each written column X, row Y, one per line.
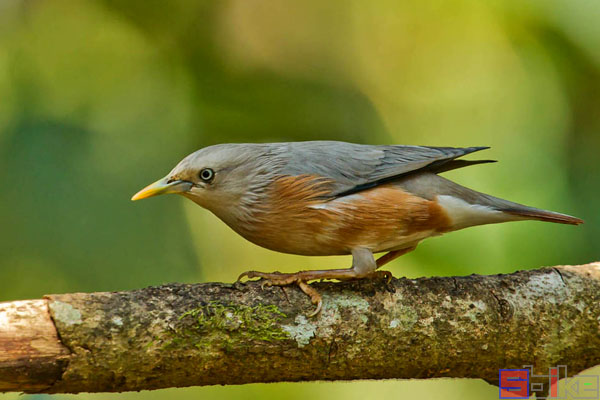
column 465, row 327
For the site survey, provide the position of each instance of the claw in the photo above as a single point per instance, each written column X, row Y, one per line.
column 315, row 297
column 245, row 274
column 317, row 310
column 266, row 283
column 387, row 275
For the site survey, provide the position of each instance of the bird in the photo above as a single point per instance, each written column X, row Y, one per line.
column 323, row 198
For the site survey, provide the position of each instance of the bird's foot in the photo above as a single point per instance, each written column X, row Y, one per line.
column 282, row 279
column 303, row 277
column 272, row 278
column 386, row 275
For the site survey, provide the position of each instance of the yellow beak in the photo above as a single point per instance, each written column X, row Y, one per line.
column 163, row 186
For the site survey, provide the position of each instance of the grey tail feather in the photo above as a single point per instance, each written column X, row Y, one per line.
column 543, row 215
column 455, row 164
column 444, row 186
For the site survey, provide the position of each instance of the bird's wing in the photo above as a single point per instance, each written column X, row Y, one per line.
column 353, row 167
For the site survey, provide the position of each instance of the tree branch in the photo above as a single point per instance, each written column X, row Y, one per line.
column 182, row 335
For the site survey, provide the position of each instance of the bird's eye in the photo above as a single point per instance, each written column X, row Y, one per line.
column 207, row 174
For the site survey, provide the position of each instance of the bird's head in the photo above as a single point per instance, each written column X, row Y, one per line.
column 215, row 177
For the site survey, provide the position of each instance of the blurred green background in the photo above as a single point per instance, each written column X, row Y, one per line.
column 100, row 98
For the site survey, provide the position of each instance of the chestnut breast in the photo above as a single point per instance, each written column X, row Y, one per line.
column 296, row 216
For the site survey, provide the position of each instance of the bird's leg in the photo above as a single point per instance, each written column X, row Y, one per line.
column 392, row 255
column 363, row 266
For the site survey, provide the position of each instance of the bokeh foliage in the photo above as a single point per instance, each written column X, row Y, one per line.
column 99, row 98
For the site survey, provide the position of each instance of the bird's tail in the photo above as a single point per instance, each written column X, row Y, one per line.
column 520, row 211
column 468, row 207
column 542, row 215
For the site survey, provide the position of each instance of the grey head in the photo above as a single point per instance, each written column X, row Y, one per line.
column 223, row 178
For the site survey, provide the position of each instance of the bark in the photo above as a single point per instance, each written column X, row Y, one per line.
column 182, row 335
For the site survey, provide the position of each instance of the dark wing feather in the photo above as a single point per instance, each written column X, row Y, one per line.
column 354, row 167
